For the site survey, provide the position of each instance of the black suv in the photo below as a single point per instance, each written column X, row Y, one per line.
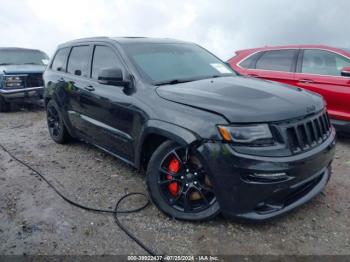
column 210, row 141
column 21, row 78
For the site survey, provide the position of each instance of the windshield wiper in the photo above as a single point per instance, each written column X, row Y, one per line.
column 174, row 82
column 31, row 63
column 179, row 81
column 6, row 64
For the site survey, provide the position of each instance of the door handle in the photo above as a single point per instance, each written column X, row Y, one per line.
column 306, row 81
column 89, row 88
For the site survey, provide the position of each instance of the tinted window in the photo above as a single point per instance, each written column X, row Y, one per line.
column 323, row 63
column 160, row 63
column 249, row 62
column 78, row 63
column 59, row 62
column 277, row 60
column 104, row 57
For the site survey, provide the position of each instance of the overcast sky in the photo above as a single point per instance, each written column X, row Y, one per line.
column 222, row 26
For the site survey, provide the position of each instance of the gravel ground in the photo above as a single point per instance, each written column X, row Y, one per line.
column 34, row 220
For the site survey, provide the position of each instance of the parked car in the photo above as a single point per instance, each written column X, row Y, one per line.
column 209, row 140
column 21, row 76
column 321, row 69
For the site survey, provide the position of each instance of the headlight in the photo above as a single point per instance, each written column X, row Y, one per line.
column 14, row 82
column 249, row 134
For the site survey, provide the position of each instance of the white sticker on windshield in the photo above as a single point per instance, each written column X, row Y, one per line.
column 221, row 68
column 45, row 61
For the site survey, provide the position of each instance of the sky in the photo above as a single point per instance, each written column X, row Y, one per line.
column 221, row 26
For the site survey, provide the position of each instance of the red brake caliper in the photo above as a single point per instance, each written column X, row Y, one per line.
column 174, row 167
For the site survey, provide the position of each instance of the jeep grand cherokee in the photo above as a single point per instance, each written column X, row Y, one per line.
column 21, row 76
column 210, row 141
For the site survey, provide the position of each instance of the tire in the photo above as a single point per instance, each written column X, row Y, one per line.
column 177, row 193
column 57, row 129
column 4, row 106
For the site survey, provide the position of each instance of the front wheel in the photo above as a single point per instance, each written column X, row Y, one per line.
column 179, row 184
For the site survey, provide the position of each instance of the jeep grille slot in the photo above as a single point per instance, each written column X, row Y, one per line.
column 307, row 133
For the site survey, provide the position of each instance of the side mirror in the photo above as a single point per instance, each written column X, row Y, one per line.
column 345, row 71
column 112, row 76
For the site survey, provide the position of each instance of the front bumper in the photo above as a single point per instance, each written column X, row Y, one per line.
column 30, row 94
column 242, row 193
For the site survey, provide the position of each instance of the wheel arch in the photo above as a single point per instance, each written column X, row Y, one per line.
column 154, row 134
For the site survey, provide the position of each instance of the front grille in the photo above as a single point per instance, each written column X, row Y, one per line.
column 307, row 133
column 34, row 80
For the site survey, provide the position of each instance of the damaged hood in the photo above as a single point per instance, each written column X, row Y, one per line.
column 241, row 99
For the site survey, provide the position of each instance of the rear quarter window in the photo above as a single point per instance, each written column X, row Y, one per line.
column 249, row 62
column 60, row 60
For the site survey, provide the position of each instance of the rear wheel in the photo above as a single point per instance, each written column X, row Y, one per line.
column 57, row 128
column 179, row 184
column 4, row 106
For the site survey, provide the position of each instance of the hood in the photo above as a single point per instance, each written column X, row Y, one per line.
column 241, row 99
column 22, row 69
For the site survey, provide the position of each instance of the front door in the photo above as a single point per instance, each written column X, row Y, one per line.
column 76, row 82
column 109, row 111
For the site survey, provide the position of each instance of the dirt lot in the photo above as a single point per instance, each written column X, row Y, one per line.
column 34, row 220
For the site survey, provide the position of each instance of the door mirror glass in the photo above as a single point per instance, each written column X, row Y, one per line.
column 345, row 71
column 112, row 76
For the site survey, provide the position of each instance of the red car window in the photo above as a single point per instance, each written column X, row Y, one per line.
column 323, row 62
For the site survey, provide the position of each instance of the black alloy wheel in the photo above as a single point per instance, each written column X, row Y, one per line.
column 180, row 185
column 57, row 128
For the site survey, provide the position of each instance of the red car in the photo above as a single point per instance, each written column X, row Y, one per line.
column 321, row 69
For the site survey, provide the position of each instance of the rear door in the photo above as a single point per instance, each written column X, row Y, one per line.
column 55, row 79
column 320, row 71
column 275, row 65
column 76, row 83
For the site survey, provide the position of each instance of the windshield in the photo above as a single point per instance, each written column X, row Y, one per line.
column 20, row 57
column 175, row 63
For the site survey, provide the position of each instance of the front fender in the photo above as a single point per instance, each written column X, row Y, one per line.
column 173, row 132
